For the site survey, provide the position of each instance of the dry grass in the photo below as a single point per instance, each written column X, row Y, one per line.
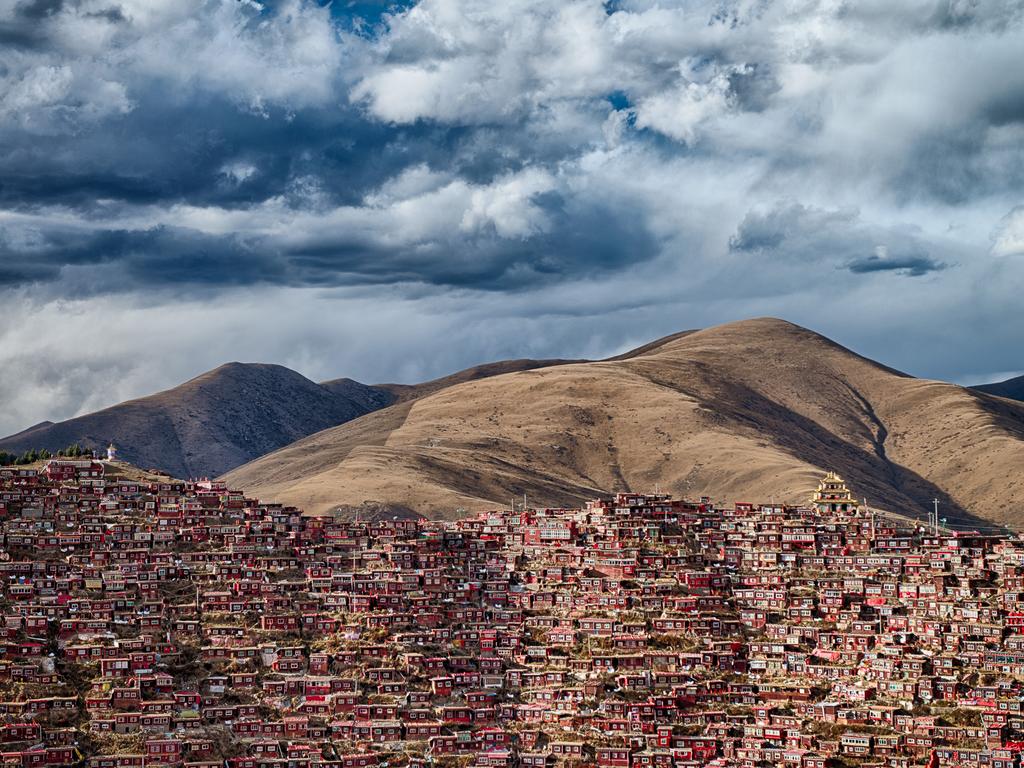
column 745, row 411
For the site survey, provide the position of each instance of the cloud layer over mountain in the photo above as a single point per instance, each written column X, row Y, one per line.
column 395, row 190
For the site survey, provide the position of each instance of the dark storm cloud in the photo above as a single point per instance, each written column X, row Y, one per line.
column 593, row 240
column 909, row 264
column 164, row 257
column 21, row 32
column 793, row 232
column 37, row 10
column 178, row 153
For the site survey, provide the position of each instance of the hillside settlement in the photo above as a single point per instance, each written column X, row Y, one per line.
column 152, row 622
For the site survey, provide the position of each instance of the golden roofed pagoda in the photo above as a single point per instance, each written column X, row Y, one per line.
column 834, row 497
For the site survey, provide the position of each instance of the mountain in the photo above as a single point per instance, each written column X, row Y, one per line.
column 212, row 423
column 749, row 410
column 1012, row 389
column 233, row 414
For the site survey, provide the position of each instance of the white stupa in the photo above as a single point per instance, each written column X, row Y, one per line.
column 111, row 452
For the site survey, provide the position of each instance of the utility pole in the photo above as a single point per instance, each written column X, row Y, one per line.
column 935, row 518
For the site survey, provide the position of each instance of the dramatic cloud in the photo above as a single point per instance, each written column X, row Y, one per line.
column 817, row 237
column 452, row 180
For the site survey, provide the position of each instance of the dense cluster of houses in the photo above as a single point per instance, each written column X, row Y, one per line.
column 150, row 623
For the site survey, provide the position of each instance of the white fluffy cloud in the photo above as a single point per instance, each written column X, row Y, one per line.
column 46, row 99
column 1009, row 235
column 682, row 110
column 478, row 62
column 86, row 56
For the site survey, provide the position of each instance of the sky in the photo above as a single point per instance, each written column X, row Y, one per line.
column 395, row 190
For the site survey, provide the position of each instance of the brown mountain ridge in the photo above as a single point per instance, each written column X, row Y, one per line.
column 231, row 415
column 748, row 410
column 212, row 423
column 1012, row 389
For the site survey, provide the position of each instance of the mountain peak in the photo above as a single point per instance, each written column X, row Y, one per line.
column 736, row 411
column 210, row 423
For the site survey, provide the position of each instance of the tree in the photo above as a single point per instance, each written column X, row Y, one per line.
column 28, row 457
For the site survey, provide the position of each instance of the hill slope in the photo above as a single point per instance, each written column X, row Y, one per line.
column 746, row 410
column 212, row 423
column 232, row 415
column 404, row 392
column 1012, row 389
